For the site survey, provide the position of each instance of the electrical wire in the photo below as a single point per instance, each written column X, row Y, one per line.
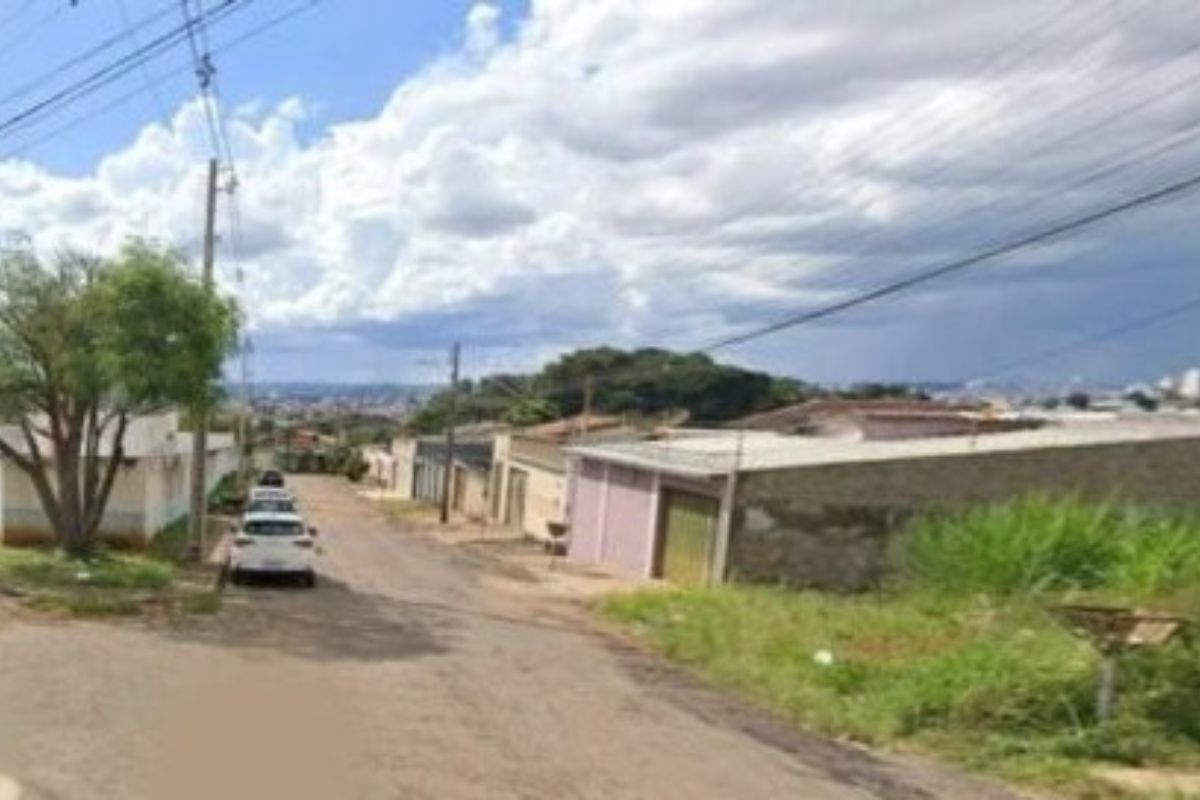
column 112, row 71
column 1135, row 325
column 124, row 98
column 1170, row 191
column 129, row 32
column 149, row 79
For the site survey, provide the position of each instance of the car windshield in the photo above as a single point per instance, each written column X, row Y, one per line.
column 275, row 505
column 268, row 527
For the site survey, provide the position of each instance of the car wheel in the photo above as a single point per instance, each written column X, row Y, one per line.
column 310, row 579
column 235, row 576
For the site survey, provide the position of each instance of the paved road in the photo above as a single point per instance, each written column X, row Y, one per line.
column 406, row 674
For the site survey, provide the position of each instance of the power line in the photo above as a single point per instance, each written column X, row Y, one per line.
column 955, row 214
column 148, row 77
column 18, row 39
column 1169, row 191
column 205, row 71
column 230, row 45
column 129, row 32
column 113, row 70
column 1132, row 326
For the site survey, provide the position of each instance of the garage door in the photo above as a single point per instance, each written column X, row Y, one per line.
column 689, row 537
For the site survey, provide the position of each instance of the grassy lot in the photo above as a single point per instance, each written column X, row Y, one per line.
column 107, row 585
column 958, row 655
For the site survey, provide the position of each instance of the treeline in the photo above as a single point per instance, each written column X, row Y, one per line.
column 632, row 382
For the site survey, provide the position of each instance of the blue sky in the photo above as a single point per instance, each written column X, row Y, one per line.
column 346, row 55
column 530, row 179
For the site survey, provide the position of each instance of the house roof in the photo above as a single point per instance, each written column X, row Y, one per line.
column 794, row 416
column 561, row 429
column 745, row 451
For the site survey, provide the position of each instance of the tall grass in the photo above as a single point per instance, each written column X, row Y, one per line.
column 1040, row 544
column 958, row 654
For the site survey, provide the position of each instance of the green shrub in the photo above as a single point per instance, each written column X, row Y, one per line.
column 1039, row 544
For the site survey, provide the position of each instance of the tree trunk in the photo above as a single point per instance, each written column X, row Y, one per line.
column 75, row 506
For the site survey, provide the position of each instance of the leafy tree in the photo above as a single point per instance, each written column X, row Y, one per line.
column 636, row 382
column 530, row 411
column 86, row 344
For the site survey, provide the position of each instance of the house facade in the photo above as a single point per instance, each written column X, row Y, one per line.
column 528, row 481
column 529, row 470
column 151, row 489
column 820, row 512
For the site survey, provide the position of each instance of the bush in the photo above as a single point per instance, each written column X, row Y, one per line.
column 1040, row 544
column 356, row 467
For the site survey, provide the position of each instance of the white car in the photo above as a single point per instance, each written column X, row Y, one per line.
column 269, row 493
column 273, row 543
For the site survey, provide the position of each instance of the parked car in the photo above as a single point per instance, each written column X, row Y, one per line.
column 271, row 505
column 273, row 543
column 269, row 493
column 270, row 477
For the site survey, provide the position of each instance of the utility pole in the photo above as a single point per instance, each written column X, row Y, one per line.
column 587, row 401
column 448, row 477
column 201, row 409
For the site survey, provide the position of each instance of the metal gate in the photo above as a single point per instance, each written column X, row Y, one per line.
column 689, row 525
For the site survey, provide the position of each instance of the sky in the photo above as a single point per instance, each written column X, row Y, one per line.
column 528, row 178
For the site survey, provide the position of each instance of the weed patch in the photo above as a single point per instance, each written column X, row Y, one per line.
column 957, row 655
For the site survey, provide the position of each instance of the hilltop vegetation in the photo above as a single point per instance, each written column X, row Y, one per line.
column 635, row 382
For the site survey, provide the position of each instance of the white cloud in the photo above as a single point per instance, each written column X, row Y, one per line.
column 713, row 158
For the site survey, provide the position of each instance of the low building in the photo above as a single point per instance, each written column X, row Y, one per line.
column 529, row 469
column 528, row 481
column 472, row 460
column 151, row 490
column 762, row 506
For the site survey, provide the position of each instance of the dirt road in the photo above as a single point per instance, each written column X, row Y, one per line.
column 405, row 674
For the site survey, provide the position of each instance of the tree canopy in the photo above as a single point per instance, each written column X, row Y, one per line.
column 635, row 382
column 86, row 344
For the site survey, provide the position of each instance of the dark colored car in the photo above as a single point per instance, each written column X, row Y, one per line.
column 271, row 477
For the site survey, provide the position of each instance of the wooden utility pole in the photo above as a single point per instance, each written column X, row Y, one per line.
column 587, row 401
column 448, row 477
column 201, row 409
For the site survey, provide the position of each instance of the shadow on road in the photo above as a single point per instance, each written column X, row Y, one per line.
column 330, row 623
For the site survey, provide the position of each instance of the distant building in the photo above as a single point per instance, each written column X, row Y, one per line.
column 1189, row 385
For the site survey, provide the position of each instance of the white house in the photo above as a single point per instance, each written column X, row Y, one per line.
column 150, row 491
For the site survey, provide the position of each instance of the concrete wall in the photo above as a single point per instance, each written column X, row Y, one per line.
column 148, row 494
column 828, row 526
column 124, row 519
